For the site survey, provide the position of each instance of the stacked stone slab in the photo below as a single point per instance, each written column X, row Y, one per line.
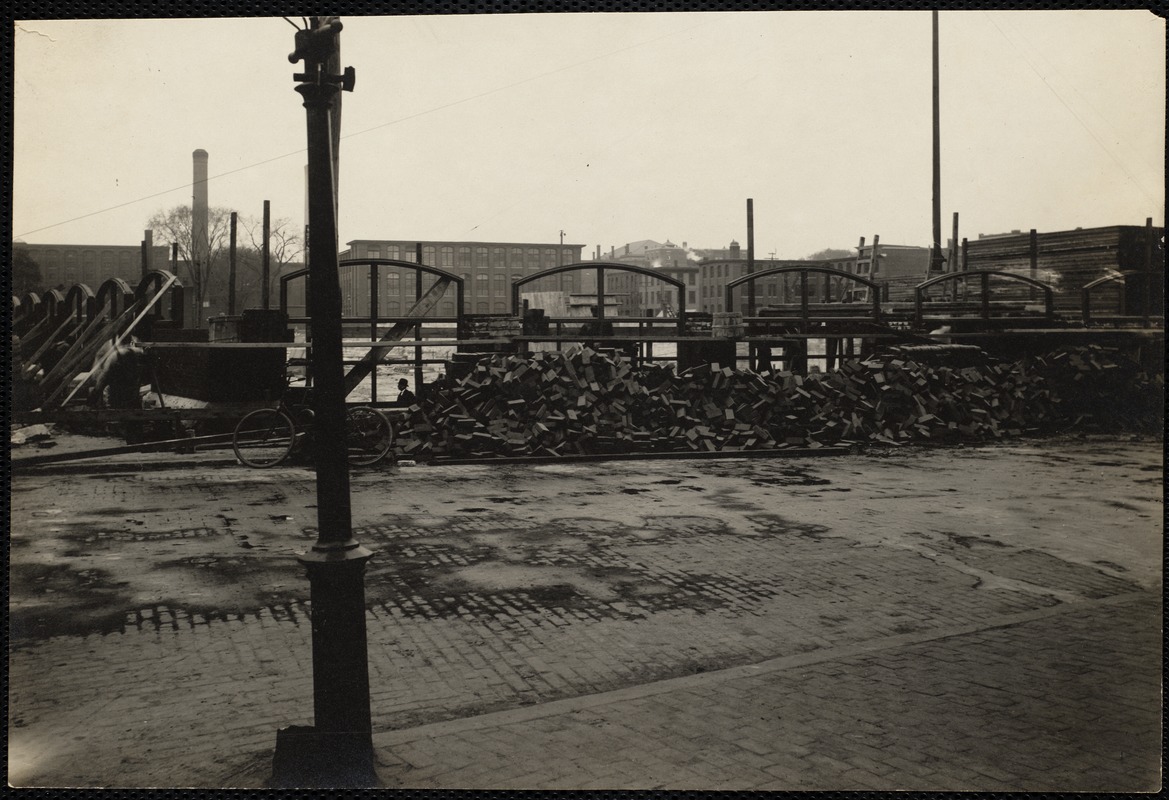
column 585, row 401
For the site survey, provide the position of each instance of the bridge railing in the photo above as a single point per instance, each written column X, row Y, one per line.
column 1091, row 292
column 1012, row 302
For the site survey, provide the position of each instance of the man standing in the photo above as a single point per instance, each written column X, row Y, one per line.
column 405, row 396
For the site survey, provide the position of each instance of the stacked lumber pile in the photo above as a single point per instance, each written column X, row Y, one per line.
column 484, row 326
column 585, row 401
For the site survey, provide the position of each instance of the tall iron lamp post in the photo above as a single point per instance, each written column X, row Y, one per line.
column 338, row 750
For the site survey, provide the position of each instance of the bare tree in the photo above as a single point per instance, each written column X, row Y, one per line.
column 285, row 247
column 26, row 273
column 200, row 271
column 831, row 254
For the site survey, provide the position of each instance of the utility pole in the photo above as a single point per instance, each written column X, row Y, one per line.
column 750, row 256
column 936, row 258
column 338, row 750
column 231, row 267
column 265, row 269
column 562, row 238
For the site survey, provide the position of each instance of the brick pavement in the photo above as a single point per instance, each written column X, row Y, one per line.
column 494, row 600
column 1033, row 701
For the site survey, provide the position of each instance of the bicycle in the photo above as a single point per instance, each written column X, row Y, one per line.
column 267, row 436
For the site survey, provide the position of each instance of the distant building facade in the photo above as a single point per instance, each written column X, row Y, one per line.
column 715, row 273
column 896, row 268
column 641, row 295
column 63, row 265
column 487, row 269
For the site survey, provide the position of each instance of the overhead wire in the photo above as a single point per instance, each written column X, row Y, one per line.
column 400, row 120
column 1103, row 146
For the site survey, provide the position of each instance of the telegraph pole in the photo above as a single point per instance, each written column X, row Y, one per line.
column 338, row 750
column 750, row 256
column 231, row 267
column 936, row 258
column 264, row 257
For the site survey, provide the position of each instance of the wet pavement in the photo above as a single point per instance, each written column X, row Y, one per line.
column 967, row 618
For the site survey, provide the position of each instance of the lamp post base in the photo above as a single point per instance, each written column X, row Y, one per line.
column 310, row 759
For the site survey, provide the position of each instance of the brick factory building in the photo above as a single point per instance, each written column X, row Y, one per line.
column 63, row 265
column 487, row 268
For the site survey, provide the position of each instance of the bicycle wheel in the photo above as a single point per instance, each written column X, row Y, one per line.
column 369, row 435
column 263, row 438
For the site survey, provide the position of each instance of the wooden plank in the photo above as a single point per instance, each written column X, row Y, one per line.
column 86, row 346
column 223, row 439
column 362, row 369
column 146, row 307
column 50, row 340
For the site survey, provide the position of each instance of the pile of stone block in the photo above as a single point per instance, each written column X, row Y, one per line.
column 584, row 401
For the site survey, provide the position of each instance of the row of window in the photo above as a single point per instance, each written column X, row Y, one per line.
column 89, row 274
column 626, row 282
column 446, row 256
column 446, row 309
column 481, row 284
column 86, row 257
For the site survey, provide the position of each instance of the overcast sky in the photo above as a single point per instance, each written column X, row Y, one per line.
column 610, row 127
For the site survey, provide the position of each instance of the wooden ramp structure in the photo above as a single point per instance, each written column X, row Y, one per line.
column 94, row 342
column 368, row 363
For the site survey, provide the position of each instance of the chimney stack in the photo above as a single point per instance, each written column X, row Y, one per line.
column 199, row 221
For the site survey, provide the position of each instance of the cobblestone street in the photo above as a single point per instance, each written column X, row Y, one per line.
column 976, row 618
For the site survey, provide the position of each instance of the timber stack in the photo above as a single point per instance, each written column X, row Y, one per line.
column 584, row 401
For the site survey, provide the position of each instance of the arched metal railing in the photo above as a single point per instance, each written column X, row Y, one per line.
column 602, row 268
column 806, row 316
column 983, row 276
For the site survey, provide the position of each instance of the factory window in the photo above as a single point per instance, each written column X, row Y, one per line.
column 464, row 259
column 500, row 285
column 393, row 308
column 532, row 259
column 448, row 307
column 550, row 259
column 565, row 256
column 466, row 276
column 690, row 298
column 771, row 289
column 428, row 254
column 480, row 257
column 690, row 279
column 497, row 259
column 500, row 307
column 481, row 283
column 393, row 283
column 515, row 256
column 391, row 251
column 482, row 307
column 448, row 257
column 373, row 252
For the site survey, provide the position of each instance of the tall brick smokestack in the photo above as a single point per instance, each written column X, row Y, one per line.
column 199, row 243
